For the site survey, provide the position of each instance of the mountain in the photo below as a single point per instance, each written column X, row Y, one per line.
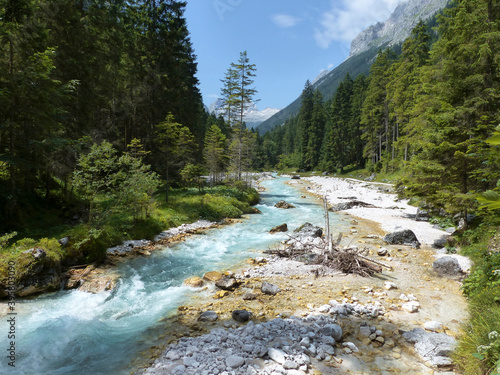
column 364, row 49
column 398, row 26
column 253, row 117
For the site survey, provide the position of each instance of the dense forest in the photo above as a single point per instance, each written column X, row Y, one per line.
column 423, row 114
column 93, row 88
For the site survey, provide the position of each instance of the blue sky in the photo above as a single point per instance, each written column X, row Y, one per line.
column 289, row 41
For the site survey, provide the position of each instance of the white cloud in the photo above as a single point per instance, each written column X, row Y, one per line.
column 285, row 20
column 347, row 18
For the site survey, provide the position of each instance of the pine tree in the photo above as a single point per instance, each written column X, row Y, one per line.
column 461, row 109
column 215, row 152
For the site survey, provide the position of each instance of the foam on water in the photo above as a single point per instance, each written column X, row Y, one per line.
column 72, row 332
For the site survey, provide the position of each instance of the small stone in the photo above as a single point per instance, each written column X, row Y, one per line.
column 351, row 346
column 276, row 355
column 433, row 326
column 290, row 365
column 382, row 252
column 380, row 339
column 411, row 307
column 190, row 362
column 173, row 355
column 333, row 330
column 208, row 316
column 250, row 297
column 390, row 285
column 241, row 316
column 268, row 288
column 324, row 308
column 235, row 361
column 364, row 331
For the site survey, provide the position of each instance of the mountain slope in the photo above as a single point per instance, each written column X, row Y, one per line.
column 327, row 85
column 364, row 49
column 398, row 26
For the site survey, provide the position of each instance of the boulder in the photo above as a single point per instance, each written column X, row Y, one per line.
column 284, row 205
column 309, row 230
column 447, row 265
column 195, row 282
column 268, row 288
column 295, row 177
column 208, row 316
column 333, row 330
column 100, row 284
column 279, row 228
column 432, row 347
column 63, row 241
column 212, row 276
column 241, row 316
column 41, row 274
column 227, row 283
column 351, row 204
column 404, row 237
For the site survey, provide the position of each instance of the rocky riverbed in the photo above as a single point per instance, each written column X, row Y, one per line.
column 404, row 319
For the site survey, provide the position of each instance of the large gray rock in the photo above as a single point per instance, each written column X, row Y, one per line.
column 447, row 266
column 432, row 347
column 208, row 316
column 41, row 274
column 404, row 237
column 227, row 283
column 284, row 205
column 279, row 228
column 309, row 230
column 333, row 330
column 268, row 288
column 241, row 316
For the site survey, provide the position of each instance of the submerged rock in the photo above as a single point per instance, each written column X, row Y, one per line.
column 404, row 237
column 279, row 228
column 284, row 205
column 195, row 282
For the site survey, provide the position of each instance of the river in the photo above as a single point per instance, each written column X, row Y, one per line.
column 73, row 332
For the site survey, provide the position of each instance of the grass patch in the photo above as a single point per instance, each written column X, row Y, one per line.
column 478, row 350
column 88, row 244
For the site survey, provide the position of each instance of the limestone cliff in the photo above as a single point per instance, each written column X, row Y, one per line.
column 399, row 25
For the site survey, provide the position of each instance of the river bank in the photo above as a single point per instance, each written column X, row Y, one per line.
column 307, row 303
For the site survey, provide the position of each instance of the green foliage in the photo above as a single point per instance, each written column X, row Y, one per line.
column 111, row 184
column 191, row 175
column 478, row 350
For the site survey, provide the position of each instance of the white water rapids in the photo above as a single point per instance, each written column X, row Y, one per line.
column 73, row 332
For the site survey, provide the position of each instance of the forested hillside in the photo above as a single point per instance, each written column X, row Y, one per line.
column 424, row 113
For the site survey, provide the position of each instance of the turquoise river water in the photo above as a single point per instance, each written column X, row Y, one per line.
column 73, row 332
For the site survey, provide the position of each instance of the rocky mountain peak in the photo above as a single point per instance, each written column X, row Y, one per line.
column 398, row 26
